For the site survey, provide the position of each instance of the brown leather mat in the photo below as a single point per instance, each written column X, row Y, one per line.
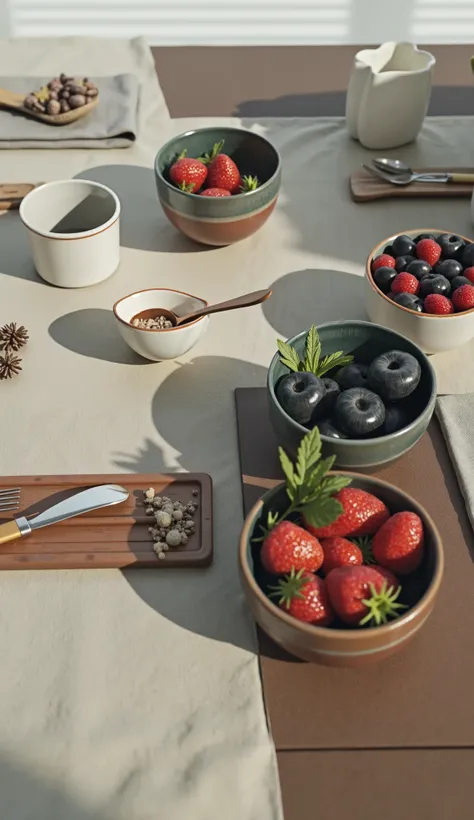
column 432, row 784
column 422, row 697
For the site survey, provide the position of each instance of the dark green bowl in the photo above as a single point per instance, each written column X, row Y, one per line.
column 365, row 340
column 220, row 221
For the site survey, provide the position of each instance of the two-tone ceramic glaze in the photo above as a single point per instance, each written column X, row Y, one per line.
column 223, row 220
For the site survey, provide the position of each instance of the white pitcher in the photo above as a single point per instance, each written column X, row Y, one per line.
column 388, row 94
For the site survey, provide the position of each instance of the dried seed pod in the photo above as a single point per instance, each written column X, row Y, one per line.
column 53, row 107
column 64, row 94
column 77, row 100
column 53, row 95
column 64, row 106
column 65, row 78
column 55, row 85
column 92, row 92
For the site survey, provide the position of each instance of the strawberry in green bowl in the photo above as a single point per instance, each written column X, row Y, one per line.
column 338, row 568
column 218, row 185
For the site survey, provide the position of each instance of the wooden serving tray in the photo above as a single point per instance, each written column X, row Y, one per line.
column 12, row 193
column 113, row 537
column 365, row 187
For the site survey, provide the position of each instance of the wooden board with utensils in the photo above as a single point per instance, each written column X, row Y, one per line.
column 112, row 537
column 365, row 187
column 11, row 194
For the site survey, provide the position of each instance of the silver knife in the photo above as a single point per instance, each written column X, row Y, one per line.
column 94, row 498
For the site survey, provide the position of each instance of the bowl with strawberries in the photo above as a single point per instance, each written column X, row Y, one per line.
column 370, row 391
column 421, row 284
column 338, row 568
column 218, row 185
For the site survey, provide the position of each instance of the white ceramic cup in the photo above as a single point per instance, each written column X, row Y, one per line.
column 73, row 229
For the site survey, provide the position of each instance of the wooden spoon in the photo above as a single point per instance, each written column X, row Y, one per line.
column 8, row 99
column 247, row 300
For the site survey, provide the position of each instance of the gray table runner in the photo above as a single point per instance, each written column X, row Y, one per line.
column 111, row 124
column 456, row 416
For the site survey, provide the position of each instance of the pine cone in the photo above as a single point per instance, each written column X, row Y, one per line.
column 9, row 366
column 13, row 337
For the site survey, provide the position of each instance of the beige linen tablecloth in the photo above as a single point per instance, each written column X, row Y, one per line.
column 136, row 695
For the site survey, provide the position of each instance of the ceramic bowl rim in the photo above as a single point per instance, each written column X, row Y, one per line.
column 341, row 635
column 387, row 241
column 229, row 128
column 353, row 442
column 57, row 183
column 163, row 330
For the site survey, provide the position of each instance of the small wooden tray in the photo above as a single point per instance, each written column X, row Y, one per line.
column 11, row 194
column 113, row 537
column 365, row 187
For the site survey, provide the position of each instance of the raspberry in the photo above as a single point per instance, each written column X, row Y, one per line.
column 438, row 304
column 463, row 297
column 428, row 250
column 405, row 283
column 382, row 261
column 469, row 274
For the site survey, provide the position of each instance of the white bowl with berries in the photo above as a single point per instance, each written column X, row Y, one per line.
column 420, row 283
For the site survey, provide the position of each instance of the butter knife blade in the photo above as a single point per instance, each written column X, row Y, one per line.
column 94, row 498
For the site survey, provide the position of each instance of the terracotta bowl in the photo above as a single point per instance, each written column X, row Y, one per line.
column 220, row 221
column 433, row 334
column 334, row 646
column 366, row 341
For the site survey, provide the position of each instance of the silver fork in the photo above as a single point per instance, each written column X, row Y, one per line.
column 10, row 499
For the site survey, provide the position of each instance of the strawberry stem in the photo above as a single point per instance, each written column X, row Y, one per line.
column 216, row 149
column 289, row 587
column 365, row 545
column 382, row 605
column 249, row 184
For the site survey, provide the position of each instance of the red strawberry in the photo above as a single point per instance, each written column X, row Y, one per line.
column 215, row 192
column 469, row 274
column 382, row 261
column 222, row 171
column 428, row 250
column 399, row 543
column 363, row 514
column 360, row 595
column 288, row 547
column 391, row 579
column 463, row 298
column 188, row 174
column 340, row 552
column 405, row 283
column 436, row 303
column 304, row 596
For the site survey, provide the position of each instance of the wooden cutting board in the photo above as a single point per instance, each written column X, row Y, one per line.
column 364, row 187
column 113, row 537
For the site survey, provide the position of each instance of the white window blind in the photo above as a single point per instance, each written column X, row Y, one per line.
column 244, row 22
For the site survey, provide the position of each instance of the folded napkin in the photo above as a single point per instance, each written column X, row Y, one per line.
column 456, row 416
column 111, row 124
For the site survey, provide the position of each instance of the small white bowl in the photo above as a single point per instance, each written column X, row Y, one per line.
column 158, row 345
column 432, row 333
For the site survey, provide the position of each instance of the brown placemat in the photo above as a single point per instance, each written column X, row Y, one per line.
column 402, row 784
column 365, row 187
column 421, row 697
column 111, row 537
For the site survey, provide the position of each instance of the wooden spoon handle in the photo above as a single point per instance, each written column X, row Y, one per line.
column 459, row 177
column 247, row 300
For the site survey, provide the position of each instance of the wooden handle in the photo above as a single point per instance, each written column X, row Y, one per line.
column 247, row 300
column 461, row 178
column 9, row 532
column 12, row 193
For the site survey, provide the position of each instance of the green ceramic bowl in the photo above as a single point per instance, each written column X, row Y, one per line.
column 365, row 341
column 220, row 221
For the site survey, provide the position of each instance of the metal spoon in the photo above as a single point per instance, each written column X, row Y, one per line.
column 406, row 179
column 247, row 300
column 396, row 167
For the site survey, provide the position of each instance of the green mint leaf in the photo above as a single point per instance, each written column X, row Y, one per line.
column 332, row 484
column 288, row 356
column 322, row 512
column 308, row 455
column 291, row 478
column 313, row 481
column 338, row 359
column 312, row 351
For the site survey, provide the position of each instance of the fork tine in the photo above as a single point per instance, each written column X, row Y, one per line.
column 10, row 499
column 7, row 493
